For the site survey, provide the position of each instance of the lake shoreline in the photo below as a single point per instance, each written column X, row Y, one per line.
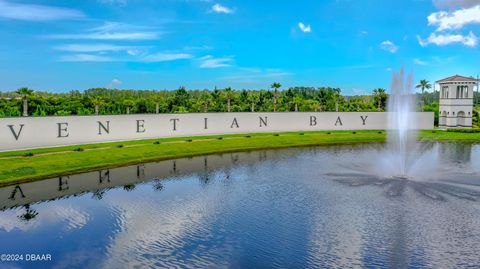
column 37, row 164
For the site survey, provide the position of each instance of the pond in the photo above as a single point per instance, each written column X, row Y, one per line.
column 314, row 207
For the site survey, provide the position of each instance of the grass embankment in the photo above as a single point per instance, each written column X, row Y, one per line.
column 29, row 165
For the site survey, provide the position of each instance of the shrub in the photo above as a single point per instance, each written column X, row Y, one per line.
column 461, row 130
column 28, row 154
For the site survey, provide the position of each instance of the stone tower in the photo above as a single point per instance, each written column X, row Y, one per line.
column 456, row 102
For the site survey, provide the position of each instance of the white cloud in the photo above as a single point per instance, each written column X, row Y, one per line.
column 211, row 62
column 133, row 52
column 389, row 46
column 204, row 47
column 32, row 12
column 253, row 75
column 456, row 19
column 470, row 40
column 455, row 3
column 114, row 83
column 85, row 58
column 419, row 62
column 94, row 48
column 165, row 57
column 217, row 8
column 109, row 36
column 113, row 31
column 304, row 28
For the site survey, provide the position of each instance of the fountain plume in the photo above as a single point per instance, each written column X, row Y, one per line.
column 401, row 120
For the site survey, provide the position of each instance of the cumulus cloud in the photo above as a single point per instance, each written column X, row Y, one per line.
column 469, row 40
column 85, row 58
column 389, row 46
column 455, row 3
column 32, row 12
column 456, row 19
column 166, row 57
column 211, row 62
column 304, row 28
column 217, row 8
column 114, row 83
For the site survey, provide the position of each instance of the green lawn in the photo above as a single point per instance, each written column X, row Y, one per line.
column 22, row 166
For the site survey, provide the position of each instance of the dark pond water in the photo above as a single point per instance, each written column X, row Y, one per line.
column 296, row 208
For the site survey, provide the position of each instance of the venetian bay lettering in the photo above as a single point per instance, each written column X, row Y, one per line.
column 62, row 129
column 141, row 126
column 35, row 132
column 234, row 123
column 105, row 128
column 63, row 183
column 15, row 134
column 339, row 121
column 363, row 119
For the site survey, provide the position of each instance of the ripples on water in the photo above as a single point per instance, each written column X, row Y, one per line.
column 317, row 207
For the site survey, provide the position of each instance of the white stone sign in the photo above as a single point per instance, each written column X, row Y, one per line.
column 37, row 132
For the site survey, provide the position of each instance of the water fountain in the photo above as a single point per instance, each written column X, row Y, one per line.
column 401, row 123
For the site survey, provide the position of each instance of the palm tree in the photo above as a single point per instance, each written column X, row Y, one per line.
column 379, row 94
column 228, row 95
column 25, row 93
column 128, row 104
column 296, row 101
column 253, row 98
column 97, row 102
column 424, row 84
column 275, row 86
column 206, row 99
column 336, row 97
column 29, row 214
column 158, row 99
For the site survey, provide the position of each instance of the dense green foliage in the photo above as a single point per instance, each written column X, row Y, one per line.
column 112, row 102
column 109, row 101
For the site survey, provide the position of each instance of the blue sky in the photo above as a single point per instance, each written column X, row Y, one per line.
column 163, row 44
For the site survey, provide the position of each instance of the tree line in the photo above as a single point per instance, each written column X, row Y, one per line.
column 103, row 101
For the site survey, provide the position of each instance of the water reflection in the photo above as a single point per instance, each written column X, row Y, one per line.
column 440, row 170
column 29, row 213
column 298, row 208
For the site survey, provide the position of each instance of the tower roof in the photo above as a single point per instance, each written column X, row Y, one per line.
column 456, row 78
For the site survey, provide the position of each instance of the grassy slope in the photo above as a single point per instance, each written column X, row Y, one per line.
column 14, row 167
